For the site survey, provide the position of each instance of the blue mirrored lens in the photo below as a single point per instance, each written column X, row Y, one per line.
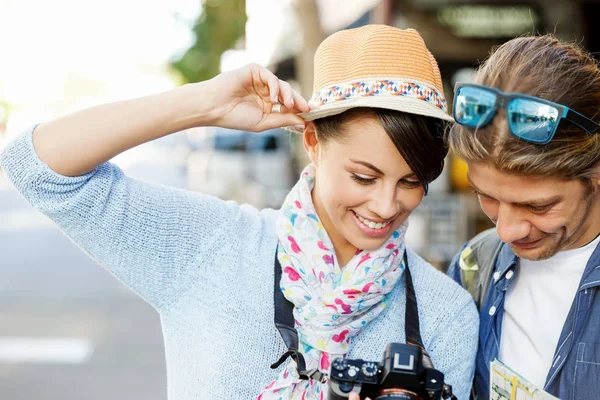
column 474, row 107
column 531, row 120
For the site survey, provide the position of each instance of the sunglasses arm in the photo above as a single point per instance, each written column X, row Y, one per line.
column 582, row 121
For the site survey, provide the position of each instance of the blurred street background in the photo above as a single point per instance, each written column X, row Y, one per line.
column 68, row 329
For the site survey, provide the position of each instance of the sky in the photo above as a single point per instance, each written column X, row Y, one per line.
column 62, row 55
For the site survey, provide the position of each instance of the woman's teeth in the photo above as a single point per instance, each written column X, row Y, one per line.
column 371, row 224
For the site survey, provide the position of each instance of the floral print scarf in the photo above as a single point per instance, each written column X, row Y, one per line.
column 331, row 304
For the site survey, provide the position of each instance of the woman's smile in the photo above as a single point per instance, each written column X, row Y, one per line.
column 371, row 227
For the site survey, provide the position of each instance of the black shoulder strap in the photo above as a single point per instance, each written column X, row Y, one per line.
column 284, row 322
column 411, row 316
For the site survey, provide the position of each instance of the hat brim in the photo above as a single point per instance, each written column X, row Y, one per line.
column 405, row 104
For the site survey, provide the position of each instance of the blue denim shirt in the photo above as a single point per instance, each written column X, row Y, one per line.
column 575, row 370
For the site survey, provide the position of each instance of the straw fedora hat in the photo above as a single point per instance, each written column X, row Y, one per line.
column 376, row 66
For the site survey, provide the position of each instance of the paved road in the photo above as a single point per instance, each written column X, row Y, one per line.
column 68, row 329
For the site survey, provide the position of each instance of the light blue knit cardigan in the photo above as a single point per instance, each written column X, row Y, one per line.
column 206, row 265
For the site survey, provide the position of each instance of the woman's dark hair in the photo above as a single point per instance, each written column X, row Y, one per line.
column 419, row 139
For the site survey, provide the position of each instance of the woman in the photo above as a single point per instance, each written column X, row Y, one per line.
column 374, row 136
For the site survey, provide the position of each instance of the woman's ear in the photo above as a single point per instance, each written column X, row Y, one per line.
column 311, row 142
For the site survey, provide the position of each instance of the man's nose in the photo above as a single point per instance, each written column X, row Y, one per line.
column 510, row 224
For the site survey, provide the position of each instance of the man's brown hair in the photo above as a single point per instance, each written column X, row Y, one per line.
column 545, row 67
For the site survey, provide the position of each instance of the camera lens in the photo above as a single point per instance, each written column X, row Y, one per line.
column 346, row 387
column 397, row 394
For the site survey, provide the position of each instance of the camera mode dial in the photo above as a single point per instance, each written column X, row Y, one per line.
column 369, row 369
column 340, row 364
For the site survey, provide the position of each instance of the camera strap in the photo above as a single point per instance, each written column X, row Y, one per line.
column 284, row 322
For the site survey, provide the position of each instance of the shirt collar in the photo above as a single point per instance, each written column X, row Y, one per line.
column 591, row 275
column 507, row 260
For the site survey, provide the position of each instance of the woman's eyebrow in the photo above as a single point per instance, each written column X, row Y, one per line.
column 368, row 165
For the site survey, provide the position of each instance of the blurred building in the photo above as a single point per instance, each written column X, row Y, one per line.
column 248, row 167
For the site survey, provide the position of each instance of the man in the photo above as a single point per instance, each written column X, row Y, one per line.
column 529, row 134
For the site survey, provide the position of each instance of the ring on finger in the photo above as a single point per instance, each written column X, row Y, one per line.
column 276, row 108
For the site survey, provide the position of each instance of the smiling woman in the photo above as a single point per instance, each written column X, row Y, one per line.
column 374, row 138
column 382, row 161
column 211, row 268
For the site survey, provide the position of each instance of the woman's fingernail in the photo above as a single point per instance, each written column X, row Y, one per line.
column 276, row 99
column 299, row 127
column 292, row 101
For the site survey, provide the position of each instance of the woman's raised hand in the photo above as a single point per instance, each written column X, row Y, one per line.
column 241, row 99
column 252, row 98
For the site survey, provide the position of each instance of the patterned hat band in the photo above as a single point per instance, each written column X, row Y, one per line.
column 379, row 87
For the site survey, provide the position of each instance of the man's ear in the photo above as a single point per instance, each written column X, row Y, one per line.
column 596, row 178
column 311, row 142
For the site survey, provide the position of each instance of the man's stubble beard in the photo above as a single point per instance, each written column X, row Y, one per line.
column 565, row 241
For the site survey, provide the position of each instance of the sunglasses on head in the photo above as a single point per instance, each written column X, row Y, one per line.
column 530, row 118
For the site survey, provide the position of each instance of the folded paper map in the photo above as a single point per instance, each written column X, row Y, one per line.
column 505, row 384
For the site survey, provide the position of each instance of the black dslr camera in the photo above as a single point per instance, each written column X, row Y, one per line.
column 405, row 373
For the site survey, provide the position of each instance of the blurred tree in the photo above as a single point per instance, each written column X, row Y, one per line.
column 307, row 12
column 312, row 35
column 218, row 28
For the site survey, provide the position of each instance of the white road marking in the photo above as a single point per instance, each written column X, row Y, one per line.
column 45, row 350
